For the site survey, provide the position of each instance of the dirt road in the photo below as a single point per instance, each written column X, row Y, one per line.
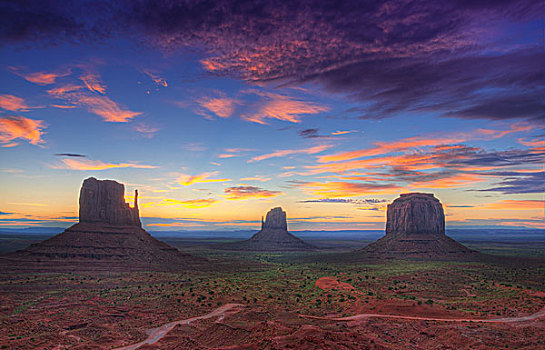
column 155, row 334
column 539, row 314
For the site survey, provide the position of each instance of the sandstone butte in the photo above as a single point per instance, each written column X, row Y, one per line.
column 273, row 236
column 108, row 236
column 415, row 228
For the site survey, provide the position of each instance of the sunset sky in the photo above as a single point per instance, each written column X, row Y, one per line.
column 217, row 111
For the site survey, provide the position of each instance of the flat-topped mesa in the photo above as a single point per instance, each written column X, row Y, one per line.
column 103, row 201
column 275, row 220
column 415, row 213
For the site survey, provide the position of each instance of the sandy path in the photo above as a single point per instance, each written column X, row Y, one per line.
column 539, row 314
column 155, row 334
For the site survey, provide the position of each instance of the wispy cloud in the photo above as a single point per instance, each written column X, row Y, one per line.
column 289, row 152
column 13, row 103
column 281, row 107
column 343, row 132
column 249, row 192
column 93, row 82
column 88, row 164
column 187, row 180
column 13, row 128
column 76, row 155
column 40, row 78
column 95, row 103
column 156, row 78
column 223, row 107
column 336, row 189
column 146, row 130
column 190, row 203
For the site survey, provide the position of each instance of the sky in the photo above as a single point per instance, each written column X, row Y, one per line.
column 217, row 111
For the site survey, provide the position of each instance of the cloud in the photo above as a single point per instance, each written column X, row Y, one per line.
column 458, row 59
column 249, row 192
column 343, row 132
column 191, row 203
column 310, row 133
column 13, row 103
column 93, row 82
column 88, row 164
column 255, row 178
column 223, row 107
column 77, row 155
column 516, row 204
column 146, row 130
column 95, row 103
column 156, row 78
column 276, row 106
column 336, row 189
column 517, row 183
column 13, row 128
column 288, row 152
column 40, row 78
column 188, row 180
column 345, row 201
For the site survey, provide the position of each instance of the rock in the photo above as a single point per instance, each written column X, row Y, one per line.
column 103, row 201
column 274, row 236
column 415, row 213
column 276, row 219
column 415, row 228
column 108, row 237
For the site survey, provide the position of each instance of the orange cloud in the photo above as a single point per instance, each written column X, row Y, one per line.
column 14, row 127
column 191, row 203
column 13, row 103
column 388, row 147
column 381, row 148
column 187, row 180
column 255, row 178
column 532, row 143
column 515, row 204
column 338, row 189
column 40, row 78
column 222, row 106
column 100, row 105
column 343, row 132
column 87, row 164
column 249, row 192
column 93, row 83
column 282, row 107
column 288, row 152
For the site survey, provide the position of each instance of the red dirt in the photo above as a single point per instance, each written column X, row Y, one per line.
column 328, row 283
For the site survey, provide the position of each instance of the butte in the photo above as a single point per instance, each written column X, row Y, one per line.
column 415, row 228
column 273, row 236
column 109, row 236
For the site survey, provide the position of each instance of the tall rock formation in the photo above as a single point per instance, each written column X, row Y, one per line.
column 415, row 213
column 109, row 236
column 103, row 201
column 415, row 228
column 273, row 237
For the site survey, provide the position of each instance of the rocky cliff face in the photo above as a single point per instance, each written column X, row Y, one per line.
column 276, row 219
column 415, row 213
column 103, row 201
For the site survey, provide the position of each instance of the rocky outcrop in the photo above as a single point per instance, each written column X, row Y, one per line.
column 415, row 213
column 415, row 228
column 273, row 237
column 275, row 220
column 103, row 201
column 108, row 237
